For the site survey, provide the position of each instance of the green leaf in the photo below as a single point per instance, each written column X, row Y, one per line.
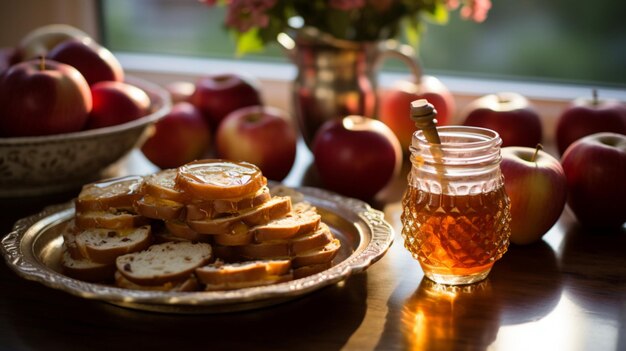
column 439, row 14
column 412, row 31
column 249, row 42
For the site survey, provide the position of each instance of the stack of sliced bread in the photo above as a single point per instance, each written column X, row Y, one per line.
column 207, row 225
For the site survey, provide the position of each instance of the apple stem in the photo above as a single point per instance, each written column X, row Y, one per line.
column 594, row 96
column 42, row 62
column 538, row 148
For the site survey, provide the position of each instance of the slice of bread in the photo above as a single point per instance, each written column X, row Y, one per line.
column 85, row 269
column 311, row 241
column 105, row 245
column 267, row 250
column 301, row 244
column 112, row 219
column 302, row 219
column 214, row 179
column 222, row 273
column 162, row 185
column 269, row 280
column 188, row 284
column 317, row 256
column 270, row 210
column 118, row 193
column 163, row 234
column 162, row 263
column 182, row 230
column 198, row 210
column 69, row 240
column 239, row 235
column 157, row 208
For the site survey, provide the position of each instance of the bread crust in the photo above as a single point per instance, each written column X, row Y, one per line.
column 275, row 208
column 162, row 185
column 250, row 271
column 112, row 219
column 187, row 284
column 312, row 241
column 301, row 220
column 117, row 193
column 317, row 256
column 157, row 208
column 199, row 210
column 85, row 269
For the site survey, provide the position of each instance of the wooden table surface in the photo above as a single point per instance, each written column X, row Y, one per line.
column 567, row 292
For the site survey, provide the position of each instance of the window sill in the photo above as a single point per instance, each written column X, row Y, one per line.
column 275, row 79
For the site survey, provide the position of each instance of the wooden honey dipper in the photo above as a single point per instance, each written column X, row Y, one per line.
column 424, row 115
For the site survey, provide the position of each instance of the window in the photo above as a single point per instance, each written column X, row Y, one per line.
column 558, row 41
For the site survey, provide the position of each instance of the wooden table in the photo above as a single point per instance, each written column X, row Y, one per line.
column 567, row 292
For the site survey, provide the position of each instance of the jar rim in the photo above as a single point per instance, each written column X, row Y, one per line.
column 483, row 136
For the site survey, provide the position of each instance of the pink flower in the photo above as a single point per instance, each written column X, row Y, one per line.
column 246, row 14
column 476, row 10
column 347, row 5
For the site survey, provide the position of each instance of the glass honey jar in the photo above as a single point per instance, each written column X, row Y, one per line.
column 456, row 214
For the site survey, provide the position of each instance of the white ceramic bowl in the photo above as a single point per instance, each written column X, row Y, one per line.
column 49, row 164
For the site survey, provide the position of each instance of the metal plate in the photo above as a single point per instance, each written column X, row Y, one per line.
column 33, row 250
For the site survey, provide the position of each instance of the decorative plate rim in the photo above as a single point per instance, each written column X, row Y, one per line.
column 17, row 249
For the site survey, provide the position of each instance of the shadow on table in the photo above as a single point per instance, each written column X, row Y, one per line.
column 49, row 319
column 527, row 283
column 594, row 270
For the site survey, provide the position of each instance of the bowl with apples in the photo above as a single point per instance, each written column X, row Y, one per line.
column 64, row 161
column 68, row 112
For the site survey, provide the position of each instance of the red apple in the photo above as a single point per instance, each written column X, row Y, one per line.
column 536, row 185
column 218, row 95
column 93, row 61
column 180, row 137
column 42, row 97
column 356, row 156
column 395, row 106
column 261, row 135
column 39, row 41
column 589, row 116
column 595, row 168
column 116, row 103
column 180, row 90
column 509, row 114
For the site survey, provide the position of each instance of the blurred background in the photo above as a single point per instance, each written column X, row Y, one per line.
column 559, row 41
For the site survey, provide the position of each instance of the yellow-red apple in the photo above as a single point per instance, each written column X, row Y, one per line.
column 261, row 135
column 536, row 185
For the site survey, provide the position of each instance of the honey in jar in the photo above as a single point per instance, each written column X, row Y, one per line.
column 456, row 213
